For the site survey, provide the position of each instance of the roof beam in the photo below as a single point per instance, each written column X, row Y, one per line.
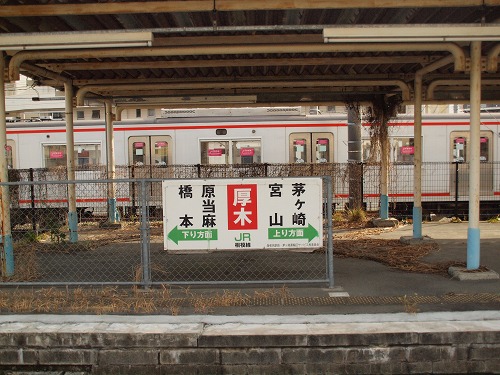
column 116, row 88
column 175, row 64
column 20, row 57
column 98, row 8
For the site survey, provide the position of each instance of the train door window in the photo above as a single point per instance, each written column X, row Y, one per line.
column 139, row 153
column 54, row 156
column 160, row 155
column 138, row 113
column 87, row 154
column 484, row 149
column 311, row 148
column 402, row 149
column 323, row 147
column 10, row 153
column 214, row 152
column 246, row 152
column 460, row 149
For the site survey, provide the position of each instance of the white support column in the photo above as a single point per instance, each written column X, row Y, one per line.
column 417, row 160
column 113, row 216
column 70, row 163
column 473, row 236
column 7, row 253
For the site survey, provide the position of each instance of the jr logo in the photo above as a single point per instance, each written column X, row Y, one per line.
column 243, row 237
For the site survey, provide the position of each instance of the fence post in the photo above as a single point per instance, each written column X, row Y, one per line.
column 362, row 184
column 146, row 274
column 32, row 198
column 329, row 219
column 456, row 189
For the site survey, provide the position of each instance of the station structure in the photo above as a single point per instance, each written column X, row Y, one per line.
column 220, row 53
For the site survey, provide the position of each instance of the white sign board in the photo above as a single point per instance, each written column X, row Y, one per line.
column 261, row 213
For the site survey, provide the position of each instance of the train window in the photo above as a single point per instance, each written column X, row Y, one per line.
column 460, row 149
column 366, row 150
column 402, row 150
column 311, row 148
column 151, row 112
column 54, row 156
column 484, row 149
column 138, row 113
column 214, row 152
column 85, row 154
column 80, row 115
column 322, row 150
column 161, row 153
column 246, row 152
column 88, row 154
column 300, row 150
column 139, row 153
column 96, row 114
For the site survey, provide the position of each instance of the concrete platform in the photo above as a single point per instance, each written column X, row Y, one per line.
column 459, row 342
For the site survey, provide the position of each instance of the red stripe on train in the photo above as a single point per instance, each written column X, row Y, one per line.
column 401, row 195
column 79, row 200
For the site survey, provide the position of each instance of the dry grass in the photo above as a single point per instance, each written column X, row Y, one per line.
column 392, row 253
column 114, row 300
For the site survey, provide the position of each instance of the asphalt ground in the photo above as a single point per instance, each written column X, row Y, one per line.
column 361, row 285
column 365, row 287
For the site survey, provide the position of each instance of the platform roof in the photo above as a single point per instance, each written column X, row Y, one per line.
column 254, row 52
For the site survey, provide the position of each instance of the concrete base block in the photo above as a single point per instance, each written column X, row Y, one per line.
column 408, row 240
column 336, row 292
column 385, row 223
column 108, row 225
column 462, row 273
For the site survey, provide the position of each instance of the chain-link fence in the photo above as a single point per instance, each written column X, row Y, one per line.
column 126, row 246
column 129, row 248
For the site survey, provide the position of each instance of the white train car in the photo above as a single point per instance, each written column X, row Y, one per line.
column 242, row 137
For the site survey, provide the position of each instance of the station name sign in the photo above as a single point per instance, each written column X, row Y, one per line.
column 228, row 214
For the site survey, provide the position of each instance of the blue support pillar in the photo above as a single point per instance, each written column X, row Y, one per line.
column 73, row 227
column 384, row 206
column 417, row 222
column 473, row 236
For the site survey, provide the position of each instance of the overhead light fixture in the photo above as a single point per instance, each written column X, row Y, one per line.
column 411, row 33
column 72, row 40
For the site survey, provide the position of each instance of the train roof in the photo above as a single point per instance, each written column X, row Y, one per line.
column 240, row 119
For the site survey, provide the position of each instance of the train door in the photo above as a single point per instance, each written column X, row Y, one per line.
column 460, row 152
column 149, row 157
column 150, row 150
column 311, row 147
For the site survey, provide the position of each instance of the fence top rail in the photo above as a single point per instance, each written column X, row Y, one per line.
column 139, row 180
